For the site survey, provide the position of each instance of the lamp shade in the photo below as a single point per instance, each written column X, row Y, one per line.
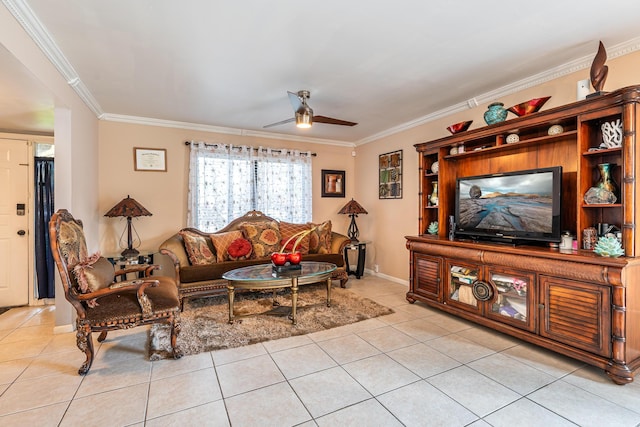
column 353, row 207
column 128, row 208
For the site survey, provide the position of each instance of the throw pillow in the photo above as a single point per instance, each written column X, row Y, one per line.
column 197, row 248
column 221, row 242
column 264, row 237
column 94, row 273
column 320, row 238
column 288, row 229
column 239, row 249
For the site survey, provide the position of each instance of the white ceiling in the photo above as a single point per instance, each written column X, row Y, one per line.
column 229, row 64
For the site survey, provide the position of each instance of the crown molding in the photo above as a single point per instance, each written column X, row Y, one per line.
column 535, row 80
column 218, row 129
column 39, row 34
column 34, row 28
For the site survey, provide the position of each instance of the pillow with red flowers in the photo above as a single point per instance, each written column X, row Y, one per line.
column 239, row 249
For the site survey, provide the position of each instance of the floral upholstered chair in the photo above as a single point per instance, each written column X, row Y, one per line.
column 101, row 303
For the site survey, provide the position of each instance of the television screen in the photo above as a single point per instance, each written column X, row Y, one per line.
column 519, row 205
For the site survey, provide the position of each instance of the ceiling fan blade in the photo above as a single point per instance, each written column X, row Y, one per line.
column 280, row 123
column 332, row 121
column 295, row 100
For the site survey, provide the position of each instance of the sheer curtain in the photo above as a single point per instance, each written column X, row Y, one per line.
column 283, row 184
column 220, row 182
column 227, row 181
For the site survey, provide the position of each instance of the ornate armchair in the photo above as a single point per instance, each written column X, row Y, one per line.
column 101, row 303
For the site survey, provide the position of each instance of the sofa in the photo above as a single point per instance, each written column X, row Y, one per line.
column 200, row 259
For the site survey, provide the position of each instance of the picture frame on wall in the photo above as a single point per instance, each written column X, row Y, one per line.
column 150, row 159
column 333, row 183
column 390, row 175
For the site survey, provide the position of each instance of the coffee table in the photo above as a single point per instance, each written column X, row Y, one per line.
column 262, row 276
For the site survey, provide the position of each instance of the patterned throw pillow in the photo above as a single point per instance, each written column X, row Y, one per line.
column 320, row 238
column 94, row 273
column 264, row 237
column 288, row 229
column 222, row 241
column 239, row 249
column 197, row 248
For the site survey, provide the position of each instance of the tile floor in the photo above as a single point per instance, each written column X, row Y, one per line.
column 416, row 367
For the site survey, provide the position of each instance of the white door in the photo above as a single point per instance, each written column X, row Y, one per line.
column 14, row 223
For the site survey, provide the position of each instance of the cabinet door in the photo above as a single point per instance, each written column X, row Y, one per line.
column 576, row 313
column 513, row 300
column 427, row 276
column 459, row 289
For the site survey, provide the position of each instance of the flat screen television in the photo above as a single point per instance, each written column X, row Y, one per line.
column 513, row 207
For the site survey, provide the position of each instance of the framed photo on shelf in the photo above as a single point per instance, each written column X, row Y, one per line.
column 332, row 183
column 150, row 159
column 390, row 175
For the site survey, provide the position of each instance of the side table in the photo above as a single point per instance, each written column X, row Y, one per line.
column 119, row 262
column 361, row 247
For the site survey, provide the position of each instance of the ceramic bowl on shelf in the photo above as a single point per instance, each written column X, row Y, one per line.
column 459, row 127
column 531, row 106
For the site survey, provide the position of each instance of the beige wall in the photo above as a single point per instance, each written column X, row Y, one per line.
column 164, row 194
column 76, row 129
column 390, row 220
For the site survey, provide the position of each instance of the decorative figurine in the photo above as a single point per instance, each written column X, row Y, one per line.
column 609, row 246
column 599, row 71
column 433, row 228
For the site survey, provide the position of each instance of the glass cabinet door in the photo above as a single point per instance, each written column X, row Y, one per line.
column 461, row 279
column 513, row 299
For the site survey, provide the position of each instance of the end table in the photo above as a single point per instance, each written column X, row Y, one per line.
column 361, row 247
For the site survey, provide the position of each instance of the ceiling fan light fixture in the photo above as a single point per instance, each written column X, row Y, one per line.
column 304, row 118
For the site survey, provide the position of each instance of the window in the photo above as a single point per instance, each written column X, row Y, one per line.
column 226, row 182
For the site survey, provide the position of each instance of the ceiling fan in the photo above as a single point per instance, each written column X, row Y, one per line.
column 304, row 117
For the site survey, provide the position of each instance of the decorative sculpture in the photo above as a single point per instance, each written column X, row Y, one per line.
column 599, row 71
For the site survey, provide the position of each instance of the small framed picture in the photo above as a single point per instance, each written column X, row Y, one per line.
column 332, row 183
column 150, row 159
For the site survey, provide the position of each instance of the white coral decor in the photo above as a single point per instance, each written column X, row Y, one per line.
column 612, row 134
column 609, row 246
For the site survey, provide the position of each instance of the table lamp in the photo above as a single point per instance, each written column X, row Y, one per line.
column 352, row 209
column 129, row 208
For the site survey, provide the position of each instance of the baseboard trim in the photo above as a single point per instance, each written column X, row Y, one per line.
column 63, row 329
column 387, row 277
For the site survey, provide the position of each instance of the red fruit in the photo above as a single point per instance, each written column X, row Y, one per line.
column 294, row 258
column 279, row 258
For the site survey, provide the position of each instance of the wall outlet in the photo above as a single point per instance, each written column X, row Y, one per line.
column 375, row 268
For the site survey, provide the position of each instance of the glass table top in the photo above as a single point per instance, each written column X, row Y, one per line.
column 265, row 272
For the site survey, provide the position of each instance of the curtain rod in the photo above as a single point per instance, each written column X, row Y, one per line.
column 253, row 148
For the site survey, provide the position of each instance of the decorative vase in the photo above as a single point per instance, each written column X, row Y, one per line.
column 434, row 194
column 496, row 113
column 606, row 181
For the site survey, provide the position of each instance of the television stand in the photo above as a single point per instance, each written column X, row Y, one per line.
column 576, row 303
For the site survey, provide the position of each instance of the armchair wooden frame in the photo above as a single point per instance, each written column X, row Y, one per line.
column 123, row 304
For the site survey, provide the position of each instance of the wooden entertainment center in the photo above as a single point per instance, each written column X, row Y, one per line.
column 574, row 302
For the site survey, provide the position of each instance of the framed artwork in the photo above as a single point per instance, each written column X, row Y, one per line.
column 150, row 159
column 332, row 183
column 390, row 175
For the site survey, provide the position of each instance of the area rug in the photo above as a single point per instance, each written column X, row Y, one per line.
column 205, row 327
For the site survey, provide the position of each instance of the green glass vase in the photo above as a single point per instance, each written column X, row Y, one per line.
column 606, row 181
